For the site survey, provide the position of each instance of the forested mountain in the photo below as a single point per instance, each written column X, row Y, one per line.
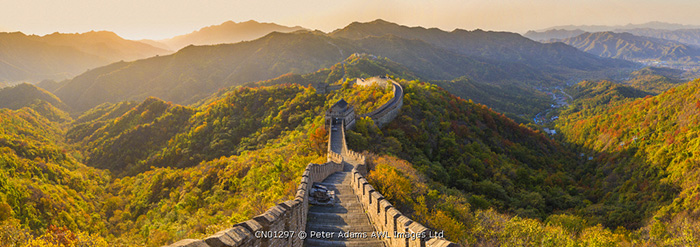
column 506, row 48
column 631, row 47
column 655, row 80
column 43, row 185
column 105, row 44
column 61, row 56
column 227, row 32
column 26, row 59
column 197, row 71
column 645, row 148
column 504, row 98
column 24, row 94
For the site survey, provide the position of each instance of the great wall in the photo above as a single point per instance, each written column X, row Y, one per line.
column 358, row 210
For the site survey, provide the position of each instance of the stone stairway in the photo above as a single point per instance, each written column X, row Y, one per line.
column 347, row 215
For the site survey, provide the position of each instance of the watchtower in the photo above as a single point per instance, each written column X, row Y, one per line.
column 341, row 111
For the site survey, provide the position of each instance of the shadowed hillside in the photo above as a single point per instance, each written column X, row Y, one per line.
column 647, row 148
column 498, row 46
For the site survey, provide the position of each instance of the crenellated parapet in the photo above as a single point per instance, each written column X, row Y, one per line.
column 292, row 215
column 389, row 110
column 287, row 216
column 384, row 217
column 404, row 231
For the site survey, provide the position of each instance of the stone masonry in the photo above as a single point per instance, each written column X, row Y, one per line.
column 358, row 209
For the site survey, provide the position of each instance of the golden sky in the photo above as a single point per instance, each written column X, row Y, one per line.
column 157, row 19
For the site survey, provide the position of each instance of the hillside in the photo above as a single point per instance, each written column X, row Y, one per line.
column 26, row 59
column 197, row 71
column 104, row 44
column 24, row 94
column 655, row 80
column 355, row 66
column 507, row 98
column 60, row 56
column 227, row 32
column 44, row 185
column 685, row 36
column 631, row 47
column 503, row 98
column 645, row 148
column 506, row 48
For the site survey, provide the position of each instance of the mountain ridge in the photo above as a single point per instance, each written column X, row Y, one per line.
column 226, row 32
column 194, row 72
column 631, row 47
column 60, row 56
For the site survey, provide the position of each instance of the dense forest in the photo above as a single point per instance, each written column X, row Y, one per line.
column 613, row 180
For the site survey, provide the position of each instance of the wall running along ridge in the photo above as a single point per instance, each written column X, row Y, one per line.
column 389, row 110
column 292, row 215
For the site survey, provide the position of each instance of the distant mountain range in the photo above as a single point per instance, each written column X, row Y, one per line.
column 197, row 71
column 227, row 32
column 60, row 56
column 553, row 34
column 603, row 28
column 687, row 34
column 632, row 47
column 503, row 48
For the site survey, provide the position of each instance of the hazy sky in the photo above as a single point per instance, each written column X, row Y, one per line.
column 156, row 19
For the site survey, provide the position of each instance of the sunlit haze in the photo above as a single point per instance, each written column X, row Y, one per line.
column 159, row 19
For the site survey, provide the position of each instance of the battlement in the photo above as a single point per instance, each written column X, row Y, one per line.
column 287, row 216
column 385, row 218
column 389, row 110
column 292, row 215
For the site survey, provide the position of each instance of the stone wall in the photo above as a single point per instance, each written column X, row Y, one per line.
column 386, row 218
column 389, row 110
column 287, row 216
column 292, row 215
column 380, row 81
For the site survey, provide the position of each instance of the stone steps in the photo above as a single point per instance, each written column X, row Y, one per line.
column 329, row 227
column 346, row 215
column 338, row 219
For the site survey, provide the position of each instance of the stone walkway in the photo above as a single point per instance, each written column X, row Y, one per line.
column 336, row 139
column 346, row 215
